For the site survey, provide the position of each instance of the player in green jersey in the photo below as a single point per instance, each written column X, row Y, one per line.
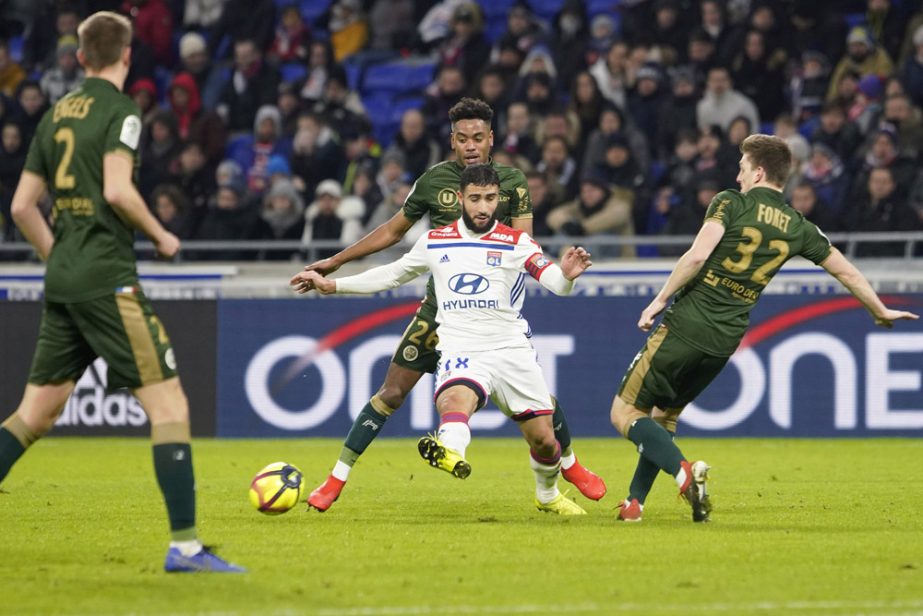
column 85, row 152
column 435, row 193
column 745, row 239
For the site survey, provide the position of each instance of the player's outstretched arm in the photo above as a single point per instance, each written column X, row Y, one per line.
column 685, row 270
column 384, row 236
column 28, row 217
column 850, row 277
column 302, row 282
column 119, row 191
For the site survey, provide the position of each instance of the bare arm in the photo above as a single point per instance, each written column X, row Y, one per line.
column 120, row 192
column 385, row 235
column 850, row 277
column 685, row 270
column 522, row 224
column 28, row 217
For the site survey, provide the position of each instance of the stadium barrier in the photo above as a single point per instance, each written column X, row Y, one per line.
column 813, row 365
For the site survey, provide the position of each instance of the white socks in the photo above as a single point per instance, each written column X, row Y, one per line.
column 341, row 470
column 187, row 548
column 455, row 435
column 546, row 479
column 568, row 461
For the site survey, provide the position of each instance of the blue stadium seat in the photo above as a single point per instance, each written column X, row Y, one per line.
column 546, row 9
column 854, row 19
column 15, row 44
column 767, row 128
column 312, row 9
column 494, row 28
column 808, row 127
column 293, row 72
column 356, row 64
column 162, row 78
column 496, row 8
column 597, row 7
column 379, row 107
column 403, row 77
column 403, row 104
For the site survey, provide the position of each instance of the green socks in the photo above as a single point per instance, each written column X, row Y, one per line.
column 644, row 477
column 366, row 427
column 655, row 444
column 10, row 451
column 561, row 431
column 173, row 467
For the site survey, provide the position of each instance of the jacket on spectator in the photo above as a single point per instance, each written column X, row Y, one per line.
column 195, row 123
column 153, row 23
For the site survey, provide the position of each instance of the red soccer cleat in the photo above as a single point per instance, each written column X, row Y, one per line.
column 589, row 483
column 630, row 510
column 324, row 495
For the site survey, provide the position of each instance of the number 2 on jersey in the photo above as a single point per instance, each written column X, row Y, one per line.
column 62, row 179
column 752, row 240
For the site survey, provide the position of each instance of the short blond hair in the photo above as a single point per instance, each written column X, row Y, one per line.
column 771, row 153
column 103, row 36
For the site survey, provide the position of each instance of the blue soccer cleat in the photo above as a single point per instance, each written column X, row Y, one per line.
column 202, row 561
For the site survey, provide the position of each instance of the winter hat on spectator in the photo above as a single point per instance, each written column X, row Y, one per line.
column 871, row 86
column 191, row 43
column 67, row 44
column 236, row 184
column 596, row 179
column 278, row 164
column 683, row 74
column 859, row 34
column 228, row 171
column 812, row 55
column 144, row 85
column 891, row 134
column 617, row 140
column 329, row 187
column 650, row 71
column 268, row 112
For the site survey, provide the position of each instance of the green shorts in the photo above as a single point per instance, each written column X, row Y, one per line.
column 668, row 373
column 121, row 328
column 417, row 349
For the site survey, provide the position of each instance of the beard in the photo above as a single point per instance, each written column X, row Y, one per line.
column 474, row 227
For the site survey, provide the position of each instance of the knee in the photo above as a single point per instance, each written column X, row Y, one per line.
column 543, row 443
column 622, row 415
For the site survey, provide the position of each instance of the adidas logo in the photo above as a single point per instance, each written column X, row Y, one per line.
column 444, row 259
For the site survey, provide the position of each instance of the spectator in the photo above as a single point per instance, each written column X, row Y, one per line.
column 41, row 39
column 289, row 106
column 759, row 74
column 252, row 154
column 611, row 74
column 542, row 203
column 836, row 132
column 367, row 189
column 144, row 93
column 449, row 89
column 332, row 217
column 349, row 28
column 172, row 209
column 340, row 107
column 392, row 23
column 805, row 200
column 714, row 24
column 359, row 153
column 66, row 74
column 538, row 93
column 12, row 158
column 11, row 74
column 808, row 85
column 490, row 88
column 645, row 101
column 603, row 34
column 466, row 48
column 786, row 129
column 685, row 215
column 231, row 216
column 320, row 64
column 252, row 85
column 912, row 70
column 195, row 123
column 881, row 208
column 434, row 26
column 292, row 38
column 152, row 22
column 716, row 156
column 906, row 120
column 885, row 152
column 826, row 174
column 668, row 33
column 886, row 25
column 196, row 179
column 678, row 112
column 30, row 107
column 558, row 122
column 283, row 214
column 518, row 138
column 722, row 103
column 586, row 103
column 613, row 121
column 522, row 29
column 559, row 167
column 866, row 105
column 244, row 20
column 682, row 170
column 193, row 54
column 418, row 149
column 618, row 166
column 862, row 57
column 701, row 54
column 569, row 43
column 391, row 206
column 202, row 14
column 160, row 144
column 598, row 210
column 316, row 153
column 739, row 130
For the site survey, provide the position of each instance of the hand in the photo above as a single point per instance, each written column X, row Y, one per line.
column 167, row 245
column 302, row 282
column 324, row 267
column 575, row 261
column 887, row 319
column 646, row 322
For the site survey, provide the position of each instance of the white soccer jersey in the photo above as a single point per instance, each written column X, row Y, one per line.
column 479, row 280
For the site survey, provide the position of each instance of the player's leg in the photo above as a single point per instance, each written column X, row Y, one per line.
column 656, row 375
column 545, row 460
column 415, row 355
column 61, row 356
column 123, row 329
column 589, row 483
column 35, row 416
column 456, row 401
column 646, row 471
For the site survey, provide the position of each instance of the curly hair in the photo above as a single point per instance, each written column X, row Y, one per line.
column 471, row 109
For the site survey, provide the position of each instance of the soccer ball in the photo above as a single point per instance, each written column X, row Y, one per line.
column 276, row 488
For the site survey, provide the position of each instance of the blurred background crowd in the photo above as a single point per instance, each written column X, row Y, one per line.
column 310, row 120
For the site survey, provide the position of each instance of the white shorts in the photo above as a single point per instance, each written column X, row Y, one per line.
column 512, row 378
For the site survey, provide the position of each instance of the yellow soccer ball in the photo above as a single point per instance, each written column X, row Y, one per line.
column 276, row 488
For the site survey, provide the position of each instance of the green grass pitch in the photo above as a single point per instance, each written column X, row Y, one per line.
column 799, row 527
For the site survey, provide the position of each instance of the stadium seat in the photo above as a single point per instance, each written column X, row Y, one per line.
column 293, row 72
column 356, row 64
column 854, row 19
column 14, row 45
column 767, row 128
column 403, row 77
column 546, row 9
column 494, row 28
column 311, row 10
column 598, row 7
column 496, row 8
column 162, row 78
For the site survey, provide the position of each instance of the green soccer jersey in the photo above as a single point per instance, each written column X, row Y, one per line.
column 762, row 232
column 92, row 253
column 434, row 192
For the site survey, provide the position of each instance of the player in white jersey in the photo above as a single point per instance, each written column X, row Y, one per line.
column 479, row 268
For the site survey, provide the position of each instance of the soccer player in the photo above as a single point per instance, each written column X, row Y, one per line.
column 746, row 237
column 435, row 192
column 478, row 271
column 85, row 151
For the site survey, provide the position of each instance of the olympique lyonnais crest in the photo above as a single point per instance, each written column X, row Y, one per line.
column 493, row 257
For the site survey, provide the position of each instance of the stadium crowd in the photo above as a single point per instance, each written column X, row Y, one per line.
column 261, row 120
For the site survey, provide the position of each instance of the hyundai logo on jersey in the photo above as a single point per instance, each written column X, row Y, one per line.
column 468, row 284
